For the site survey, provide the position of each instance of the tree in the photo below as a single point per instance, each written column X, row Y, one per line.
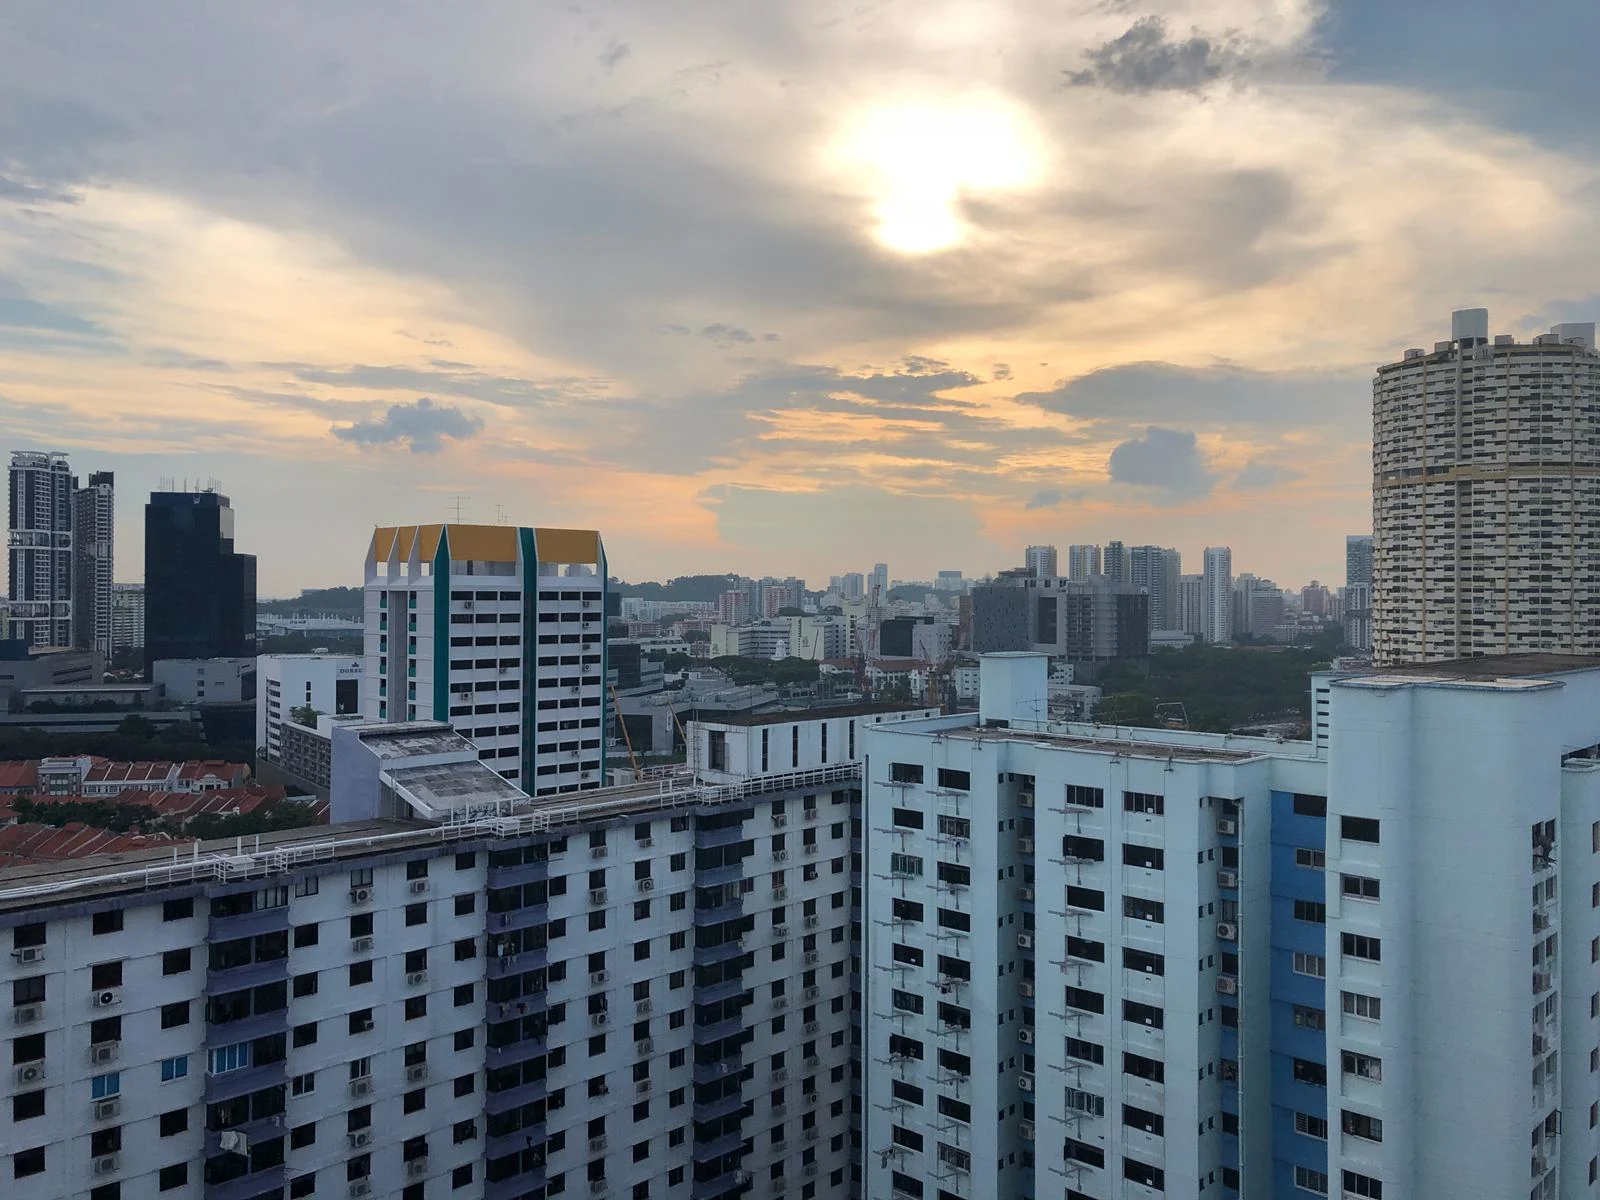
column 305, row 714
column 135, row 726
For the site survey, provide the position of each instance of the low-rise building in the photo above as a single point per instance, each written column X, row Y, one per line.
column 206, row 680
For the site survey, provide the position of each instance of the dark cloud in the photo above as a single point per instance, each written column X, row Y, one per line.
column 422, row 426
column 1002, row 371
column 1210, row 396
column 448, row 378
column 182, row 360
column 1167, row 460
column 1145, row 59
column 727, row 335
column 28, row 192
column 1051, row 497
column 1257, row 474
column 614, row 53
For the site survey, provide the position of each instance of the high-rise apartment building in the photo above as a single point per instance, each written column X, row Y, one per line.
column 1191, row 604
column 1486, row 495
column 1082, row 562
column 199, row 592
column 1358, row 558
column 639, row 992
column 93, row 562
column 500, row 631
column 880, row 582
column 329, row 683
column 1082, row 622
column 1116, row 563
column 1040, row 561
column 127, row 616
column 1217, row 595
column 1157, row 571
column 41, row 562
column 1235, row 966
column 854, row 585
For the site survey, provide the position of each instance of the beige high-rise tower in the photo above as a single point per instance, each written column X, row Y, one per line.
column 1486, row 496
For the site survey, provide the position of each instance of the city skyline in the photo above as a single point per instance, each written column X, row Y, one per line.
column 330, row 292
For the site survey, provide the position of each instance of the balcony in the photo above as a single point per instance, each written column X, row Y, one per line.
column 716, row 1031
column 721, row 1069
column 268, row 1182
column 721, row 952
column 726, row 835
column 728, row 910
column 248, row 924
column 721, row 1107
column 721, row 990
column 233, row 979
column 717, row 1147
column 519, row 918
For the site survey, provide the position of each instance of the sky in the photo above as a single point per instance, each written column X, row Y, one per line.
column 783, row 287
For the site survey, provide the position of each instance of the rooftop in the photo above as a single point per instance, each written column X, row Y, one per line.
column 1503, row 671
column 413, row 739
column 814, row 714
column 1131, row 745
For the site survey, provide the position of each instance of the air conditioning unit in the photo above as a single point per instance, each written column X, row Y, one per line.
column 417, row 1073
column 643, row 1007
column 1025, row 799
column 361, row 945
column 107, row 1164
column 103, row 1053
column 361, row 895
column 108, row 1109
column 812, row 1063
column 811, row 993
column 413, row 978
column 812, row 958
column 779, row 820
column 597, row 1145
column 1025, row 845
column 1227, row 879
column 360, row 1138
column 813, row 1027
column 1025, row 1036
column 597, row 895
column 647, row 885
column 1026, row 1129
column 107, row 997
column 645, row 843
column 600, row 978
column 811, row 814
column 1025, row 892
column 644, row 1046
column 360, row 1188
column 779, row 1003
column 780, row 856
column 1025, row 1082
column 1227, row 931
column 419, row 887
column 598, row 1187
column 598, row 851
column 1227, row 827
column 598, row 1020
column 361, row 1087
column 642, row 1087
column 780, row 894
column 811, row 1134
column 30, row 1073
column 1025, row 941
column 417, row 1167
column 811, row 1167
column 812, row 922
column 778, row 1110
column 780, row 1074
column 1026, row 987
column 811, row 848
column 29, row 954
column 1228, row 985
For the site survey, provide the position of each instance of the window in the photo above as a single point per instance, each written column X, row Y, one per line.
column 1365, row 1186
column 1305, row 1071
column 1140, row 909
column 27, row 1106
column 1312, row 860
column 1310, row 964
column 102, row 1087
column 1360, row 1125
column 1143, row 961
column 360, row 972
column 1147, row 803
column 27, row 1162
column 305, row 935
column 1141, row 1067
column 1308, row 1180
column 174, row 1014
column 1356, row 945
column 174, row 1176
column 1148, row 857
column 1359, row 887
column 174, row 1122
column 1358, row 829
column 905, row 864
column 1082, row 897
column 417, row 914
column 905, row 772
column 175, row 962
column 1311, row 1126
column 1357, row 1005
column 1085, row 797
column 1084, row 1051
column 174, row 1068
column 907, row 818
column 1142, row 1014
column 107, row 922
column 466, row 903
column 302, row 1136
column 303, row 1085
column 1310, row 806
column 1310, row 1018
column 1311, row 910
column 1362, row 1066
column 1086, row 1102
column 957, row 781
column 177, row 910
column 230, row 1058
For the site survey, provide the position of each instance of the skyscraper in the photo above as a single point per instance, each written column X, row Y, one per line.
column 1486, row 495
column 127, row 616
column 1217, row 595
column 41, row 548
column 1117, row 563
column 1358, row 558
column 880, row 581
column 200, row 594
column 1191, row 604
column 1041, row 561
column 502, row 632
column 1156, row 570
column 93, row 548
column 1082, row 562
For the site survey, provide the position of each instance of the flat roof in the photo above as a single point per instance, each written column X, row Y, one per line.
column 816, row 714
column 413, row 739
column 1497, row 666
column 1181, row 751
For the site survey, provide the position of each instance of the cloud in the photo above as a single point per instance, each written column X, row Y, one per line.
column 1167, row 460
column 423, row 426
column 1001, row 371
column 1256, row 474
column 1210, row 396
column 1053, row 497
column 614, row 53
column 446, row 377
column 1145, row 59
column 727, row 335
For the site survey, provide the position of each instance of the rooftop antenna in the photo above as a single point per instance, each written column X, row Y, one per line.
column 458, row 502
column 501, row 517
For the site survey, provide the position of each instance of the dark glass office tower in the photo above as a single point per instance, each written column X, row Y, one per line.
column 200, row 596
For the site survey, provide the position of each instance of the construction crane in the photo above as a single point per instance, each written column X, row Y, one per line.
column 627, row 740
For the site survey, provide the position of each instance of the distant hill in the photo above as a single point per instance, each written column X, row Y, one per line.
column 685, row 587
column 317, row 602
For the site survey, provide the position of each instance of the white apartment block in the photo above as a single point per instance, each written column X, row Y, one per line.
column 640, row 992
column 501, row 631
column 127, row 616
column 1486, row 496
column 1137, row 963
column 329, row 683
column 1216, row 595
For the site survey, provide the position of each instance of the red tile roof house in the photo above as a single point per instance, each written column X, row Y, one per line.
column 19, row 778
column 21, row 844
column 100, row 779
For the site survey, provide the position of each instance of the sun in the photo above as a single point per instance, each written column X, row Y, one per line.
column 918, row 159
